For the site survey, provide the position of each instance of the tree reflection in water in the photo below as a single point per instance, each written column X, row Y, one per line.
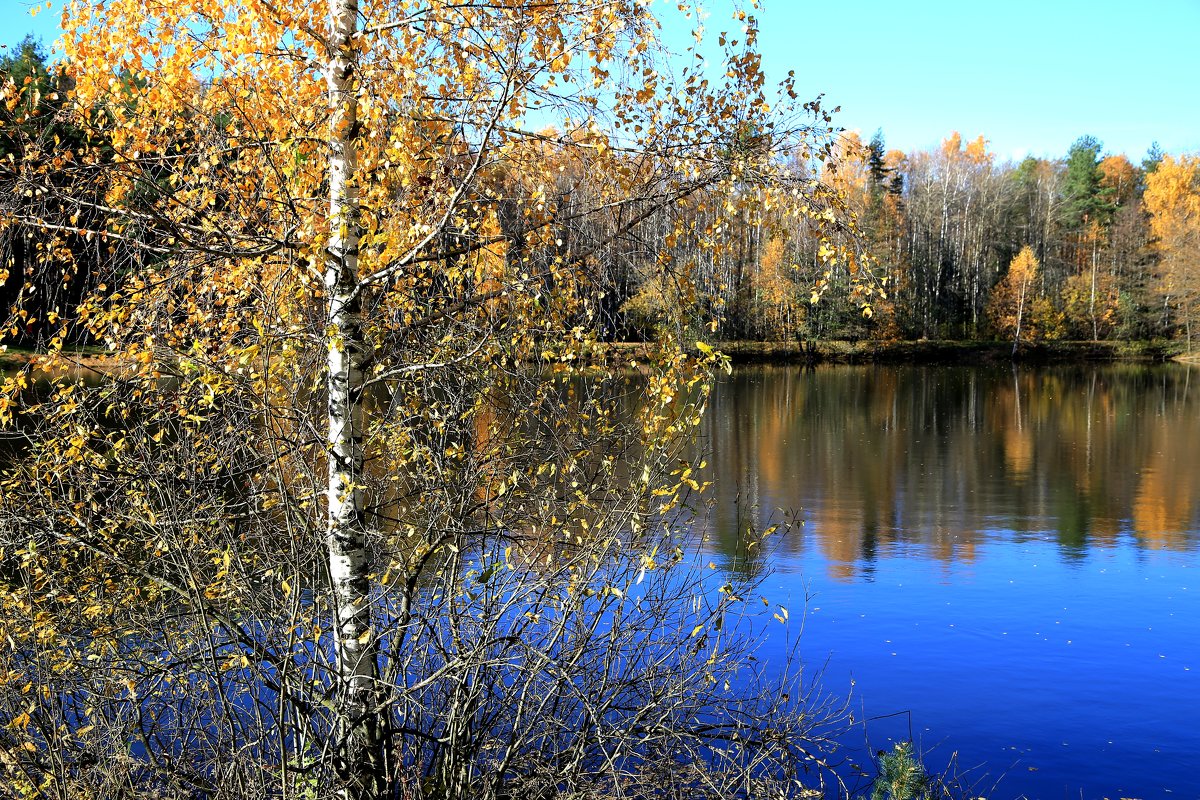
column 875, row 459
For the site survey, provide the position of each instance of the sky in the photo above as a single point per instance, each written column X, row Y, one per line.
column 1031, row 76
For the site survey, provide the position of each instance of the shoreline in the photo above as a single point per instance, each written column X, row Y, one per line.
column 866, row 351
column 929, row 352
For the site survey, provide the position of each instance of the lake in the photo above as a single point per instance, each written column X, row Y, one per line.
column 1008, row 554
column 1002, row 561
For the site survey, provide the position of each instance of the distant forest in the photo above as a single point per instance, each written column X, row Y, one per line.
column 954, row 243
column 1088, row 246
column 1111, row 250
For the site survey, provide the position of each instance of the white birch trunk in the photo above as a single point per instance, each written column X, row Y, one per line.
column 358, row 715
column 1092, row 297
column 1020, row 315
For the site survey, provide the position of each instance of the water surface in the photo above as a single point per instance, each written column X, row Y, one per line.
column 1009, row 555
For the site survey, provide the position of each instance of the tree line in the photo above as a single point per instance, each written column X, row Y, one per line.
column 1112, row 244
column 1089, row 246
column 655, row 265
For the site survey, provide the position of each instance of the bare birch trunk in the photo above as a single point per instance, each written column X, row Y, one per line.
column 1020, row 316
column 358, row 715
column 1092, row 297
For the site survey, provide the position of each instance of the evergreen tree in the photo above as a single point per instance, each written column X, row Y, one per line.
column 1154, row 157
column 1084, row 199
column 877, row 168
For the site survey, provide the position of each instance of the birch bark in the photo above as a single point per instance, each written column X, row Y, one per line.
column 358, row 713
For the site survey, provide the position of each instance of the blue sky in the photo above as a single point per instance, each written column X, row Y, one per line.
column 1030, row 75
column 15, row 22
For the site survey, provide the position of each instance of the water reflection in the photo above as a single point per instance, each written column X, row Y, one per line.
column 879, row 459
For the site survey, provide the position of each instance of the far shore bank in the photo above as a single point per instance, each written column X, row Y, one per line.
column 934, row 352
column 826, row 352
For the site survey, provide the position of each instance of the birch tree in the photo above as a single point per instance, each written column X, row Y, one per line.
column 1008, row 306
column 342, row 511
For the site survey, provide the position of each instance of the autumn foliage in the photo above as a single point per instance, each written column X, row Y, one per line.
column 1173, row 201
column 1009, row 304
column 345, row 509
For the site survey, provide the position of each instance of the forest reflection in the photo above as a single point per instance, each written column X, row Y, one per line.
column 879, row 461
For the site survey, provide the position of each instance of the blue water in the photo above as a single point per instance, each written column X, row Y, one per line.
column 1010, row 557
